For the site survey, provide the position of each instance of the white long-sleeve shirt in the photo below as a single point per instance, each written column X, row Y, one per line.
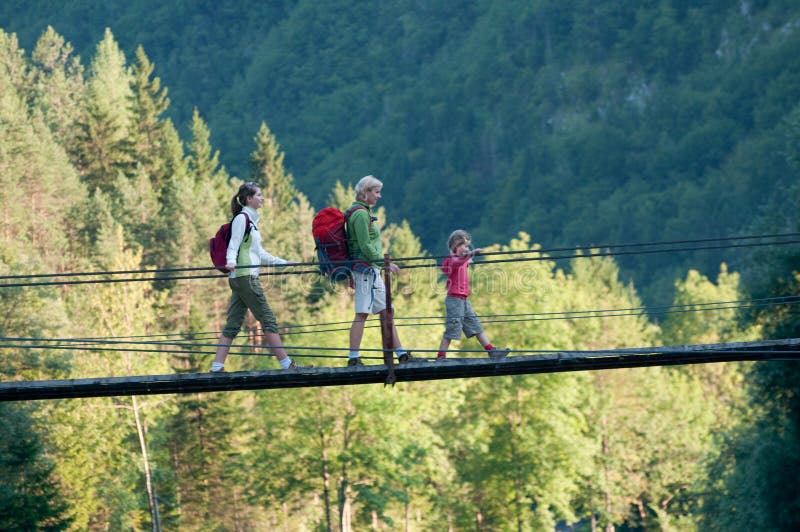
column 256, row 254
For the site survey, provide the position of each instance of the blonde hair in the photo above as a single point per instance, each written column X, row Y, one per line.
column 366, row 184
column 458, row 237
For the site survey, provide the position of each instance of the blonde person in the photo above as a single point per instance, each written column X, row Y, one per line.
column 364, row 240
column 242, row 259
column 460, row 315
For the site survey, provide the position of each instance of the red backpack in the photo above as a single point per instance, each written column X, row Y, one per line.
column 330, row 237
column 218, row 245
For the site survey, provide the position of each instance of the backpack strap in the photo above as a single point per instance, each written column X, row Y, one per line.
column 349, row 212
column 247, row 223
column 247, row 227
column 358, row 266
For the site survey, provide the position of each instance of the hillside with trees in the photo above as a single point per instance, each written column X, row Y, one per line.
column 99, row 174
column 580, row 123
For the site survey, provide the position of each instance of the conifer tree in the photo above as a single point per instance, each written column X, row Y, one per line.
column 30, row 497
column 38, row 184
column 204, row 441
column 266, row 167
column 279, row 212
column 15, row 67
column 105, row 132
column 111, row 433
column 34, row 178
column 209, row 207
column 285, row 224
column 58, row 86
column 37, row 189
column 149, row 129
column 203, row 160
column 136, row 207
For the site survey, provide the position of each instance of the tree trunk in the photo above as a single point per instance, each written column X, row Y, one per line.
column 151, row 490
column 345, row 502
column 407, row 510
column 606, row 452
column 326, row 480
column 176, row 467
column 514, row 421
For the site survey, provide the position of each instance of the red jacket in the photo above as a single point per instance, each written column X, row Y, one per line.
column 455, row 268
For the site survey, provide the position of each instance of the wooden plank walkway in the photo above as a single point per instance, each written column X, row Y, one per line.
column 453, row 368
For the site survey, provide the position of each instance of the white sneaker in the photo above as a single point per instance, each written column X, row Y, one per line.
column 499, row 353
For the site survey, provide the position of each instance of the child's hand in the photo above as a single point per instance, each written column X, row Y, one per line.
column 477, row 251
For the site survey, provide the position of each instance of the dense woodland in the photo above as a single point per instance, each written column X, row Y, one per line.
column 97, row 176
column 581, row 123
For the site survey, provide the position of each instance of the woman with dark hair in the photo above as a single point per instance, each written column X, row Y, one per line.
column 244, row 256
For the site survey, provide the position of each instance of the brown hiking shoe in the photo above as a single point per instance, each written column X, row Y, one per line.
column 407, row 357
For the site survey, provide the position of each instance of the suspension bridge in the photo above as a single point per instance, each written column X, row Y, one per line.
column 520, row 363
column 456, row 368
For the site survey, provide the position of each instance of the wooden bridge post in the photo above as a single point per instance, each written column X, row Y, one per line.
column 387, row 324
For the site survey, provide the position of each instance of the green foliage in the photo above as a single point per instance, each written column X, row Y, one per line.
column 30, row 498
column 574, row 111
column 720, row 324
column 96, row 178
column 58, row 86
column 753, row 477
column 104, row 141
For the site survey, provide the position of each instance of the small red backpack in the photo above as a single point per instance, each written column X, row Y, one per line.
column 218, row 245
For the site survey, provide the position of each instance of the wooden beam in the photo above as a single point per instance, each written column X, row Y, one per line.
column 452, row 368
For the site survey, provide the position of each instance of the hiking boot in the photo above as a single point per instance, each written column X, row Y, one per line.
column 295, row 365
column 407, row 357
column 353, row 362
column 499, row 353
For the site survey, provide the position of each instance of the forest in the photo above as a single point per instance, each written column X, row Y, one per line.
column 579, row 123
column 98, row 175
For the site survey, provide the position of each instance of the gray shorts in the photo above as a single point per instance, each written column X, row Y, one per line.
column 460, row 317
column 370, row 291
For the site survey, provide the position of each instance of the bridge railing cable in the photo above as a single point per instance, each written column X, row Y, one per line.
column 194, row 343
column 167, row 274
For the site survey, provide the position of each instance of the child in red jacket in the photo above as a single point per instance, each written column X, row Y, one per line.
column 460, row 315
